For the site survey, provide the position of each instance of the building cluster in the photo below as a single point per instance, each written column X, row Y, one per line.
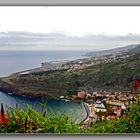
column 92, row 61
column 65, row 65
column 53, row 65
column 106, row 104
column 82, row 63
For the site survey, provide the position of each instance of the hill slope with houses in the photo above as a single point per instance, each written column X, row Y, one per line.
column 103, row 72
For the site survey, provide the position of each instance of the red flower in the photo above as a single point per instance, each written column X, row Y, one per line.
column 2, row 116
column 135, row 83
column 125, row 117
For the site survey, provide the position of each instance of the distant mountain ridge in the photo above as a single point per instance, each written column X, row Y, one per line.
column 135, row 48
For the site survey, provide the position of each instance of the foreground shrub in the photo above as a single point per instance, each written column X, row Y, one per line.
column 30, row 121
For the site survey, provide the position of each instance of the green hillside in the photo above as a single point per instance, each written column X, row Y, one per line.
column 56, row 83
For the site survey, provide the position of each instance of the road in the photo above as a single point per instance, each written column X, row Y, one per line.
column 90, row 118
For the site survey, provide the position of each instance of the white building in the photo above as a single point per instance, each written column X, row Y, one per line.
column 99, row 106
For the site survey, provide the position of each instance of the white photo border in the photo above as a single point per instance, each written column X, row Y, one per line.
column 69, row 3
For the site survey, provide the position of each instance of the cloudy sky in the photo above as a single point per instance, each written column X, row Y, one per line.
column 91, row 28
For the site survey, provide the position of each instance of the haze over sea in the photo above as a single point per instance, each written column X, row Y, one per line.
column 15, row 61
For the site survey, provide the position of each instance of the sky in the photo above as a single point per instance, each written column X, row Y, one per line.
column 72, row 21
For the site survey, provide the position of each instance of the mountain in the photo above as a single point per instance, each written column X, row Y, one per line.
column 130, row 49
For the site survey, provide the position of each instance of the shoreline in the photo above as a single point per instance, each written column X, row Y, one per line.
column 89, row 119
column 40, row 97
column 87, row 111
column 84, row 105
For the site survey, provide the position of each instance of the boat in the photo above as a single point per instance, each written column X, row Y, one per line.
column 9, row 93
column 67, row 100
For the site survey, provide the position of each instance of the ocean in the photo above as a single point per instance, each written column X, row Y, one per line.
column 15, row 61
column 74, row 110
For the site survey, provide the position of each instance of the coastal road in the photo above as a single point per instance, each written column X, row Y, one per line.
column 88, row 120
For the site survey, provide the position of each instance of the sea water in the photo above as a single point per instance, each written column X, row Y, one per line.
column 72, row 109
column 15, row 61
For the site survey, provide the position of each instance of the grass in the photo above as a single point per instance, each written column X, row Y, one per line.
column 29, row 121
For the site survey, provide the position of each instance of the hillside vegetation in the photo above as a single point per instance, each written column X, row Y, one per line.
column 53, row 84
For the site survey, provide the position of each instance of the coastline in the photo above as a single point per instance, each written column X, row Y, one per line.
column 87, row 111
column 72, row 101
column 90, row 118
column 84, row 105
